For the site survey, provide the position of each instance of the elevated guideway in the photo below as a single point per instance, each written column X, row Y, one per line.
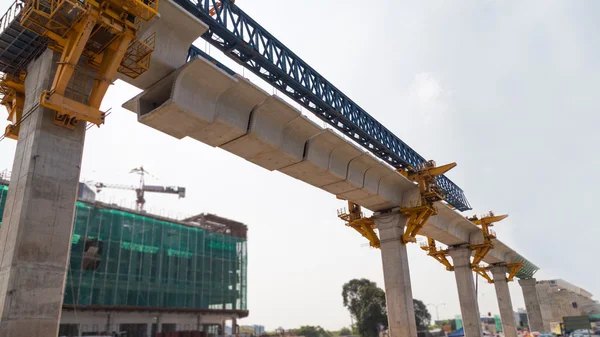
column 212, row 104
column 241, row 118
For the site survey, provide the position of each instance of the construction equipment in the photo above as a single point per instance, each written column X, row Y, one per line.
column 217, row 6
column 418, row 213
column 513, row 269
column 365, row 226
column 480, row 249
column 486, row 221
column 140, row 200
column 12, row 89
column 441, row 255
column 101, row 33
column 430, row 191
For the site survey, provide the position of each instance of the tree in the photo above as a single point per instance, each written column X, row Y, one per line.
column 312, row 331
column 422, row 316
column 366, row 303
column 345, row 331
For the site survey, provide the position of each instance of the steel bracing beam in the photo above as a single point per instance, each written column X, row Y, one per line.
column 241, row 38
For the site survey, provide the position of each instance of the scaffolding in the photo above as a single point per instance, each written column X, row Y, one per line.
column 125, row 259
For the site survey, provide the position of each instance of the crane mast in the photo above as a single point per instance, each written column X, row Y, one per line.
column 142, row 188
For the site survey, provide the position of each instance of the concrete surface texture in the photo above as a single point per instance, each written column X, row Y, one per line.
column 36, row 231
column 107, row 320
column 504, row 301
column 201, row 101
column 559, row 299
column 469, row 308
column 176, row 29
column 532, row 304
column 396, row 274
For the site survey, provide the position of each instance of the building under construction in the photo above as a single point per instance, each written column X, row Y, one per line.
column 137, row 274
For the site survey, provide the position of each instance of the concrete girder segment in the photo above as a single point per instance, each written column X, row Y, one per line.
column 276, row 135
column 176, row 29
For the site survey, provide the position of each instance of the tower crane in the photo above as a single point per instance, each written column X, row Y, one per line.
column 142, row 188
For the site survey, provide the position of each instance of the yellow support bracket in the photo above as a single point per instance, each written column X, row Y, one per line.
column 104, row 34
column 486, row 221
column 430, row 192
column 12, row 89
column 483, row 272
column 365, row 226
column 513, row 270
column 440, row 255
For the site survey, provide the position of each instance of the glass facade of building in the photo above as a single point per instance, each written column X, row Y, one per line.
column 120, row 258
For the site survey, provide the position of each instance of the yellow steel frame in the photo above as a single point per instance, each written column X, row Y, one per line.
column 513, row 270
column 481, row 249
column 440, row 255
column 365, row 226
column 104, row 33
column 483, row 272
column 418, row 213
column 12, row 89
column 430, row 192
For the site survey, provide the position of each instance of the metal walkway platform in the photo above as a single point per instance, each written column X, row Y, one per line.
column 18, row 46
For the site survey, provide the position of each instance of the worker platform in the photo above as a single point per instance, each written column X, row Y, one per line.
column 18, row 46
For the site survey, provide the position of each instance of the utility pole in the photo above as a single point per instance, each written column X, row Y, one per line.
column 437, row 313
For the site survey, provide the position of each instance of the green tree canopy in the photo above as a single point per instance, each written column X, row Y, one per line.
column 312, row 331
column 345, row 331
column 366, row 303
column 422, row 316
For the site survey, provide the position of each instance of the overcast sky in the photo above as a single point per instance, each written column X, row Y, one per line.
column 503, row 88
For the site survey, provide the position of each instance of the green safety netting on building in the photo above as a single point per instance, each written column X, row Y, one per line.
column 126, row 259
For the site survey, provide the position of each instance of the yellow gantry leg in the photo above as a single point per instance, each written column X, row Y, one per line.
column 72, row 53
column 108, row 69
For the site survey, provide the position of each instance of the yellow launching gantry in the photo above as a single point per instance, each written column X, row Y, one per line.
column 104, row 34
column 418, row 214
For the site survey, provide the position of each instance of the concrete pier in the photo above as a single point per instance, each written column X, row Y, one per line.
column 35, row 236
column 398, row 291
column 532, row 304
column 504, row 302
column 469, row 308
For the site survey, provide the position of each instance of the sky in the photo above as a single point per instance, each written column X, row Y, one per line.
column 504, row 88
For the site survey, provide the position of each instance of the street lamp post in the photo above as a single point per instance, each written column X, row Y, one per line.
column 437, row 313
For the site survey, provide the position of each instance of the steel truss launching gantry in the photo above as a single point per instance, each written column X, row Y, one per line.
column 101, row 33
